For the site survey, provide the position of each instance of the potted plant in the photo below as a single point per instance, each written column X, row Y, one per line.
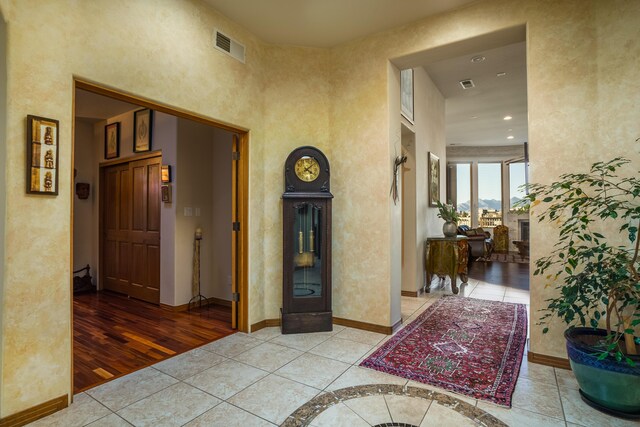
column 594, row 266
column 450, row 216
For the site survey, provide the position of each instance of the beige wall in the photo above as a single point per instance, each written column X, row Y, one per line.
column 220, row 257
column 429, row 136
column 85, row 247
column 338, row 100
column 3, row 157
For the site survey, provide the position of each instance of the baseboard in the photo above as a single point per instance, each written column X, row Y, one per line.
column 387, row 330
column 264, row 324
column 185, row 307
column 409, row 293
column 396, row 326
column 32, row 414
column 541, row 359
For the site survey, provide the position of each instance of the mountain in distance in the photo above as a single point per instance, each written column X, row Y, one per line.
column 491, row 204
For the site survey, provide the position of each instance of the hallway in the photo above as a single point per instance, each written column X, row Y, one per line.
column 114, row 335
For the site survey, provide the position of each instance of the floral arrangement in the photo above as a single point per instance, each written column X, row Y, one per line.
column 447, row 212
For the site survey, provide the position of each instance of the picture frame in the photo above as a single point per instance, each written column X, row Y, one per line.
column 165, row 174
column 165, row 191
column 42, row 155
column 112, row 141
column 406, row 94
column 433, row 179
column 142, row 130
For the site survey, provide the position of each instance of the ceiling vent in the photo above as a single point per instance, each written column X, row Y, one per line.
column 229, row 46
column 467, row 84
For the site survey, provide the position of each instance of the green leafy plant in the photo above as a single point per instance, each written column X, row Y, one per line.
column 447, row 212
column 596, row 279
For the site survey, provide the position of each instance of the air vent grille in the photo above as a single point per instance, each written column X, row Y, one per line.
column 467, row 84
column 223, row 42
column 229, row 46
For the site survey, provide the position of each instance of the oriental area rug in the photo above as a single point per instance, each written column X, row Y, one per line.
column 470, row 346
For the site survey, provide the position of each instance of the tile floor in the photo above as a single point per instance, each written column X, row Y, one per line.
column 260, row 379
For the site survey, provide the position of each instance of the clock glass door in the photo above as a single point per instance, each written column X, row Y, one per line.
column 307, row 262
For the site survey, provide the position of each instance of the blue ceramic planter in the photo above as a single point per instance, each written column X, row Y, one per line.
column 607, row 385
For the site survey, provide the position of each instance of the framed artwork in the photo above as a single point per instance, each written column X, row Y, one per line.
column 112, row 140
column 406, row 94
column 434, row 179
column 142, row 130
column 42, row 155
column 165, row 174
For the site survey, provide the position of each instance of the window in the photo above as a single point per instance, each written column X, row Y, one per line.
column 489, row 194
column 463, row 192
column 517, row 178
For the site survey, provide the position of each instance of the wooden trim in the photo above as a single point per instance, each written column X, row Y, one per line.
column 396, row 326
column 243, row 240
column 133, row 158
column 542, row 359
column 266, row 323
column 409, row 294
column 35, row 413
column 144, row 102
column 387, row 330
column 185, row 307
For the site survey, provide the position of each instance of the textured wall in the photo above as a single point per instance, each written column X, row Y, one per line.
column 140, row 47
column 583, row 96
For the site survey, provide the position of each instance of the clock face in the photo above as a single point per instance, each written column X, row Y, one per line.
column 307, row 169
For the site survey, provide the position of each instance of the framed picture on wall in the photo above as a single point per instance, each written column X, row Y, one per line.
column 406, row 94
column 42, row 155
column 434, row 179
column 142, row 130
column 112, row 140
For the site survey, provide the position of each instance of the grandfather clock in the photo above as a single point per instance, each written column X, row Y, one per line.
column 306, row 206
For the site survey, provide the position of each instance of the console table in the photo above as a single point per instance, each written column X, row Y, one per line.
column 447, row 256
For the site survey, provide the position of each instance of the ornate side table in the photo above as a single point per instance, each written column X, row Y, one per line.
column 447, row 256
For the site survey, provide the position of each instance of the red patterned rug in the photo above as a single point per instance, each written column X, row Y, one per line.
column 470, row 346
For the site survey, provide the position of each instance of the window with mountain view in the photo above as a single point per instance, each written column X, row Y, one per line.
column 463, row 192
column 489, row 194
column 517, row 179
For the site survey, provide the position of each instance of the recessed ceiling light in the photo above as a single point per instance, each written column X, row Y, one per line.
column 478, row 58
column 474, row 117
column 509, row 130
column 507, row 118
column 501, row 74
column 510, row 137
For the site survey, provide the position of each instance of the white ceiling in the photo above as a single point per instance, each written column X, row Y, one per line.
column 475, row 117
column 93, row 107
column 326, row 23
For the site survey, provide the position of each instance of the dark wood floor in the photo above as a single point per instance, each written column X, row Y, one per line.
column 114, row 335
column 511, row 274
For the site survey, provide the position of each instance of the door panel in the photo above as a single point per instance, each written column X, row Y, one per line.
column 131, row 229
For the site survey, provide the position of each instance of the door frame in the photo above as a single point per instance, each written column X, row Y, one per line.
column 241, row 191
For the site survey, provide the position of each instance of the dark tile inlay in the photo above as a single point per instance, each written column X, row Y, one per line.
column 310, row 410
column 394, row 425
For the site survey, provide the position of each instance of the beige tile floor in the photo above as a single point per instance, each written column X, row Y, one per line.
column 261, row 378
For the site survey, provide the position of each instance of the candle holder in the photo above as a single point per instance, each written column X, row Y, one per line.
column 195, row 284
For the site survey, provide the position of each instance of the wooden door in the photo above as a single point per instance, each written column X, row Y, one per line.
column 131, row 229
column 116, row 222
